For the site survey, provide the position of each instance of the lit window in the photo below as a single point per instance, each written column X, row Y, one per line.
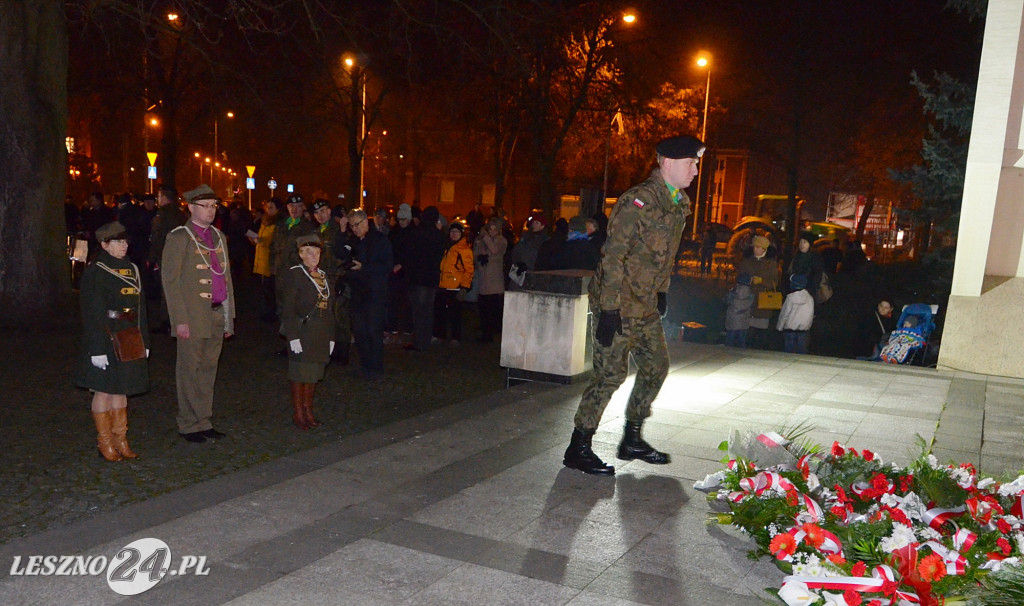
column 69, row 142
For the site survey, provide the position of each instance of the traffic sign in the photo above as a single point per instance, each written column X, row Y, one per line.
column 250, row 169
column 250, row 183
column 291, row 188
column 152, row 160
column 152, row 172
column 272, row 184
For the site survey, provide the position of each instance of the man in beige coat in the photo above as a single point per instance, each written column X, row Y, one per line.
column 200, row 298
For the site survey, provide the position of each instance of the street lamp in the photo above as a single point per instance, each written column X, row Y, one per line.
column 703, row 61
column 350, row 62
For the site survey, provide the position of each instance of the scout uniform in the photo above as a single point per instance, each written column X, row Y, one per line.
column 196, row 278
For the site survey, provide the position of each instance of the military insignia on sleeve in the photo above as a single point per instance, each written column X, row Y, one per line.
column 637, row 202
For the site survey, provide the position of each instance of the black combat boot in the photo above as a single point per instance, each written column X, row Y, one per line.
column 633, row 446
column 580, row 456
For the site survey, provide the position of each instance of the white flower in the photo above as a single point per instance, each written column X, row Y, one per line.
column 773, row 529
column 962, row 476
column 985, row 483
column 997, row 565
column 1013, row 488
column 807, row 565
column 834, row 599
column 1019, row 538
column 812, row 482
column 891, row 500
column 913, row 506
column 927, row 533
column 933, row 462
column 710, row 481
column 901, row 537
column 796, row 593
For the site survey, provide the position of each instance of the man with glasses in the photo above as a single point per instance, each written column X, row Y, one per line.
column 372, row 262
column 196, row 277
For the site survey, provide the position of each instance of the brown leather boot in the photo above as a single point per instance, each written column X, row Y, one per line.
column 308, row 406
column 119, row 428
column 105, row 439
column 298, row 405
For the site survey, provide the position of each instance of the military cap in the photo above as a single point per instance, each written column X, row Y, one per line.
column 577, row 223
column 203, row 192
column 110, row 231
column 683, row 146
column 149, row 197
column 319, row 203
column 309, row 240
column 296, row 199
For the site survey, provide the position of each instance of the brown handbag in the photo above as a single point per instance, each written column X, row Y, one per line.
column 128, row 344
column 769, row 299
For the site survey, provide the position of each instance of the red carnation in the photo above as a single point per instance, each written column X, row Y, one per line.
column 875, row 603
column 880, row 483
column 868, row 455
column 1004, row 545
column 1004, row 526
column 859, row 569
column 837, row 450
column 852, row 598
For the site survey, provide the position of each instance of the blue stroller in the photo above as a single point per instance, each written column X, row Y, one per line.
column 908, row 344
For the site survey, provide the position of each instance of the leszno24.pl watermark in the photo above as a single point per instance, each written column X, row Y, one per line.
column 137, row 567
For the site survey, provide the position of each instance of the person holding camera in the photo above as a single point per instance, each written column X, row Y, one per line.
column 489, row 250
column 628, row 299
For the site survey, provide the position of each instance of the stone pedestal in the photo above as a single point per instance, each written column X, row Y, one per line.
column 545, row 332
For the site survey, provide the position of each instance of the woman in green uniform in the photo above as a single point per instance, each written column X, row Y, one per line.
column 111, row 300
column 308, row 319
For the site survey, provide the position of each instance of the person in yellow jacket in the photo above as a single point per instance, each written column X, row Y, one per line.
column 456, row 279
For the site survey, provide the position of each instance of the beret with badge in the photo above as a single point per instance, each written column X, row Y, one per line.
column 683, row 146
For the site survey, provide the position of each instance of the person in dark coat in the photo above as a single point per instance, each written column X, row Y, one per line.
column 112, row 300
column 807, row 263
column 308, row 323
column 372, row 262
column 94, row 215
column 873, row 331
column 423, row 272
column 578, row 251
column 550, row 248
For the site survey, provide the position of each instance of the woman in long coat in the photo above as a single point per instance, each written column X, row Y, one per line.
column 111, row 300
column 489, row 249
column 763, row 267
column 308, row 318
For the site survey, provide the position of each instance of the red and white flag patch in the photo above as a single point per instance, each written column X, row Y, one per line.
column 637, row 202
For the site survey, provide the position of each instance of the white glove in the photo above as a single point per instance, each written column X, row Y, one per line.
column 296, row 346
column 331, row 349
column 147, row 353
column 100, row 362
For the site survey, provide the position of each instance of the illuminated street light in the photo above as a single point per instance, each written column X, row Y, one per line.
column 629, row 17
column 173, row 17
column 703, row 61
column 350, row 62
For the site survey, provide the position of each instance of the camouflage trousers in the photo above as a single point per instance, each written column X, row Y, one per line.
column 644, row 338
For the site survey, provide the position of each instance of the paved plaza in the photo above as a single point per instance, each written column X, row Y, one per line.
column 470, row 504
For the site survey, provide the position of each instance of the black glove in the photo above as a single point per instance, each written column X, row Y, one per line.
column 482, row 260
column 662, row 304
column 608, row 324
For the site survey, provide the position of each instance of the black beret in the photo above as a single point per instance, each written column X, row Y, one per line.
column 683, row 146
column 320, row 203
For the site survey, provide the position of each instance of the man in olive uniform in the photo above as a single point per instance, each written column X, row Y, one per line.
column 329, row 231
column 628, row 299
column 196, row 278
column 283, row 251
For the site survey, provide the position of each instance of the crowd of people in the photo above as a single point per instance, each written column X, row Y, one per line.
column 326, row 277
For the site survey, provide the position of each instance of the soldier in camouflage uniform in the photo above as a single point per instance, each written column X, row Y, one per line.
column 628, row 300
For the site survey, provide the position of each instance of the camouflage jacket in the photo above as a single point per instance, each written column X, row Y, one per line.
column 638, row 257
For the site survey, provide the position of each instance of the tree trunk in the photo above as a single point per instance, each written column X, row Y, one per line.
column 865, row 214
column 33, row 159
